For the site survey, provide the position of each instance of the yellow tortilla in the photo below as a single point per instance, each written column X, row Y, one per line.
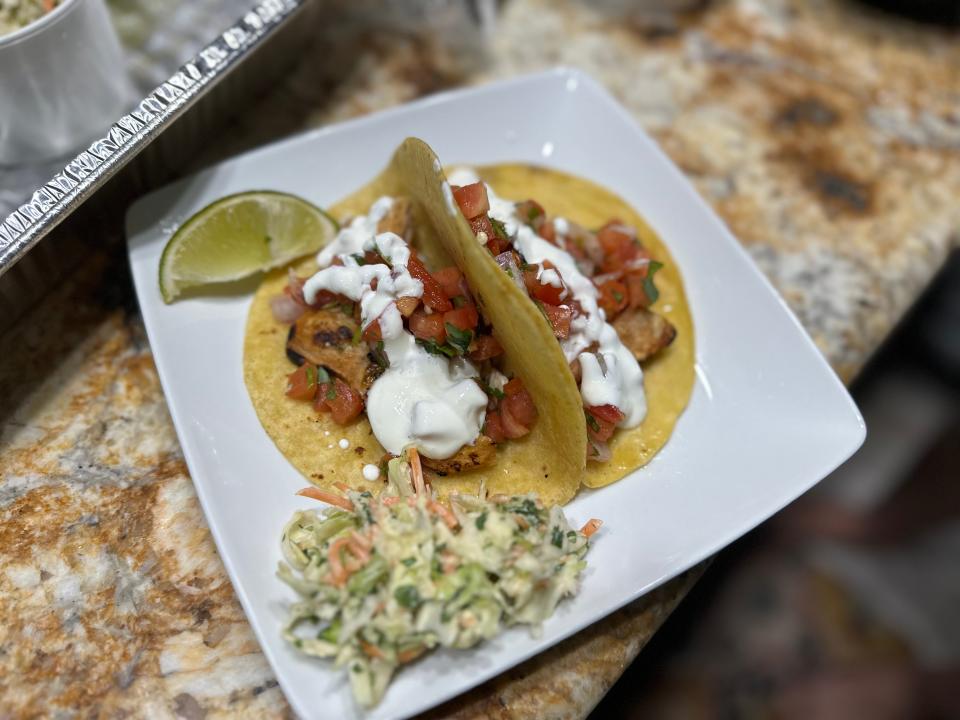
column 668, row 377
column 548, row 462
column 551, row 460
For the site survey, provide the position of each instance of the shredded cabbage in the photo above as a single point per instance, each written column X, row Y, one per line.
column 401, row 575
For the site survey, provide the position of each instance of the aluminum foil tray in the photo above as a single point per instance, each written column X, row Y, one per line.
column 143, row 148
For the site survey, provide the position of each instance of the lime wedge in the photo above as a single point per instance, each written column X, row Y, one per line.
column 239, row 235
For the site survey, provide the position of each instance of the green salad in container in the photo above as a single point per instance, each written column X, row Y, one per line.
column 17, row 14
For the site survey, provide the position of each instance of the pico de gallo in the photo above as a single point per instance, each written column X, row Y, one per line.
column 374, row 322
column 594, row 287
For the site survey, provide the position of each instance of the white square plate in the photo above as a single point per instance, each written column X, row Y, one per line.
column 767, row 420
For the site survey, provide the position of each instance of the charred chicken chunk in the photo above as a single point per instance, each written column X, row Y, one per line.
column 399, row 219
column 325, row 337
column 469, row 457
column 643, row 332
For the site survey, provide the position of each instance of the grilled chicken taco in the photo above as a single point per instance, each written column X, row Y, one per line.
column 381, row 344
column 611, row 299
column 502, row 342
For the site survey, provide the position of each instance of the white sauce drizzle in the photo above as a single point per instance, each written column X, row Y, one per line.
column 422, row 400
column 622, row 383
column 452, row 206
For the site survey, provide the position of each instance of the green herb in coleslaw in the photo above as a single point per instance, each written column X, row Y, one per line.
column 383, row 580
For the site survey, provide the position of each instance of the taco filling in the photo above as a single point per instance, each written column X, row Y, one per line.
column 374, row 332
column 595, row 288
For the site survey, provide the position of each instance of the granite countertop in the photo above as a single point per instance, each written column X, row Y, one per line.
column 827, row 136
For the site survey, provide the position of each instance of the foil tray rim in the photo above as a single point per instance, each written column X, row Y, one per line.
column 82, row 176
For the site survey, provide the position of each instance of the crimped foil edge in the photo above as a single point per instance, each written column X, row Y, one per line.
column 84, row 174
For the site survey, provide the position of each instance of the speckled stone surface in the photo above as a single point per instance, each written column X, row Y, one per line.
column 826, row 136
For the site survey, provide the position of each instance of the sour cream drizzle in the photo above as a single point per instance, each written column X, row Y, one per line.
column 423, row 400
column 619, row 380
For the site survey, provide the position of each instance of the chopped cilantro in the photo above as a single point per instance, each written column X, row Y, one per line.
column 332, row 632
column 525, row 507
column 331, row 391
column 481, row 520
column 359, row 258
column 499, row 229
column 311, row 376
column 592, row 422
column 458, row 301
column 407, row 596
column 460, row 339
column 408, row 561
column 492, row 391
column 379, row 355
column 618, row 296
column 435, row 348
column 556, row 537
column 322, row 375
column 346, row 308
column 648, row 287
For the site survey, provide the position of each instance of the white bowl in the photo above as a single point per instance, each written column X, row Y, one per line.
column 63, row 81
column 767, row 420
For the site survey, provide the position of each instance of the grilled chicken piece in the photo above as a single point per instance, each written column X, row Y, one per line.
column 325, row 337
column 469, row 457
column 399, row 219
column 643, row 332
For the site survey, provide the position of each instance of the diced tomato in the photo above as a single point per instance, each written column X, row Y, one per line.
column 406, row 305
column 428, row 327
column 518, row 405
column 543, row 291
column 372, row 332
column 373, row 258
column 497, row 245
column 472, row 199
column 637, row 296
column 548, row 232
column 613, row 298
column 602, row 421
column 465, row 317
column 615, row 235
column 559, row 317
column 493, row 427
column 512, row 427
column 482, row 224
column 530, row 212
column 302, row 382
column 484, row 347
column 342, row 401
column 433, row 295
column 449, row 279
column 608, row 413
column 620, row 245
column 513, row 387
